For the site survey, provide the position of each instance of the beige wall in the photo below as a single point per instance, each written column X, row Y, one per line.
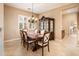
column 11, row 21
column 57, row 14
column 2, row 27
column 78, row 20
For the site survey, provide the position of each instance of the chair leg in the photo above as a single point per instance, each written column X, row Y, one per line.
column 27, row 46
column 42, row 51
column 23, row 44
column 48, row 48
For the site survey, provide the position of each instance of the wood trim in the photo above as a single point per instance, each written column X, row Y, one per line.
column 10, row 40
column 78, row 20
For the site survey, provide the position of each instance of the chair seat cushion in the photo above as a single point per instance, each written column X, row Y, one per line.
column 40, row 43
column 30, row 41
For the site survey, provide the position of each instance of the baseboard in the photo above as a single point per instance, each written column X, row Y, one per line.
column 12, row 40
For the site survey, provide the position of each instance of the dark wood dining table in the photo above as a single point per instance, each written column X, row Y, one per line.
column 35, row 37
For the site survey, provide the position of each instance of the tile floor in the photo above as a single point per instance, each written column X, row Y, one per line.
column 64, row 47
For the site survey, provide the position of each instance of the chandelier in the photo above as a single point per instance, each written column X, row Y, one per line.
column 32, row 19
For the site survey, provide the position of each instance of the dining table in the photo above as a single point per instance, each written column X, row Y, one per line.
column 35, row 37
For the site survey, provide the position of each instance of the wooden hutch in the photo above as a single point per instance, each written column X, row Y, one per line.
column 48, row 24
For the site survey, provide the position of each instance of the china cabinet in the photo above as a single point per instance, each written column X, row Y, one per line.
column 48, row 25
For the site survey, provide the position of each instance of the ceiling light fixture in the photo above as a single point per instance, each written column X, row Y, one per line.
column 32, row 19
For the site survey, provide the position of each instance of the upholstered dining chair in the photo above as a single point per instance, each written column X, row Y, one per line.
column 42, row 32
column 36, row 30
column 27, row 40
column 44, row 42
column 22, row 38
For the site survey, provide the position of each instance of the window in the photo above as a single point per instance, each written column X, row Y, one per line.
column 22, row 22
column 32, row 24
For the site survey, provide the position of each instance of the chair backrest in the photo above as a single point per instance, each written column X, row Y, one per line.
column 21, row 34
column 42, row 32
column 25, row 35
column 46, row 37
column 36, row 31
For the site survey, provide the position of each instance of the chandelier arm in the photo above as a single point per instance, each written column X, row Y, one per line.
column 32, row 9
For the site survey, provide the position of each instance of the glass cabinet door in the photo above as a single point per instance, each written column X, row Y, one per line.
column 51, row 26
column 46, row 25
column 41, row 25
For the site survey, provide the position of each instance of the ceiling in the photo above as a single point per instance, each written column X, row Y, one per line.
column 37, row 7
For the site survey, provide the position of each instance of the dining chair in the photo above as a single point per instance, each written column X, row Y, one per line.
column 44, row 42
column 27, row 40
column 22, row 38
column 36, row 30
column 42, row 32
